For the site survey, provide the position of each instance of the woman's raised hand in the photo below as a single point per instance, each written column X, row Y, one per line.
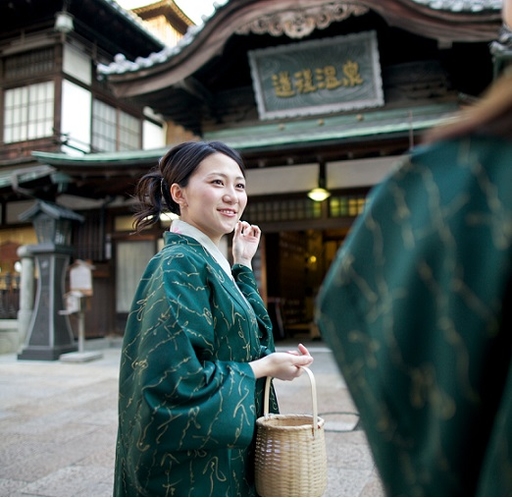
column 245, row 243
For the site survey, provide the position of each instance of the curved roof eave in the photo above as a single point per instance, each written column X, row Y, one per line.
column 110, row 160
column 444, row 20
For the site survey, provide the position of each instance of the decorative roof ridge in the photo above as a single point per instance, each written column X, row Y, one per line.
column 122, row 65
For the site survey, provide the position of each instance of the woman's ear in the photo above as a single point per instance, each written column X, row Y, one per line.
column 177, row 195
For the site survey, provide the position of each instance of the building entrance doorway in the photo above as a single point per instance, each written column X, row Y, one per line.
column 296, row 263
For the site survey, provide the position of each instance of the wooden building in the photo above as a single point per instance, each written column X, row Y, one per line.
column 323, row 93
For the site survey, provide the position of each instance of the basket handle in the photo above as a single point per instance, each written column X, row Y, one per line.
column 266, row 401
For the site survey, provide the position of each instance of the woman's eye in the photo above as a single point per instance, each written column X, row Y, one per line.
column 218, row 182
column 241, row 186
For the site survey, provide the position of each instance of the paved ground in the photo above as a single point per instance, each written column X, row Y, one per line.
column 58, row 426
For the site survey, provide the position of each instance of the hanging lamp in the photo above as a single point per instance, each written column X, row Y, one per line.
column 320, row 193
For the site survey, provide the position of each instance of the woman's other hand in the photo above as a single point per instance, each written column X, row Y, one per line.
column 283, row 366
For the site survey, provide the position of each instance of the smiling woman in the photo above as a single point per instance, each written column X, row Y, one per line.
column 198, row 341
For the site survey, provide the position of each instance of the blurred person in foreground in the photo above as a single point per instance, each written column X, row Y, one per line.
column 417, row 308
column 198, row 340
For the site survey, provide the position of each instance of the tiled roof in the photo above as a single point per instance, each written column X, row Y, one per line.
column 462, row 5
column 134, row 19
column 334, row 128
column 122, row 65
column 268, row 136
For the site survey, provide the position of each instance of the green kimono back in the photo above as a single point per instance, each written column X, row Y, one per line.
column 417, row 309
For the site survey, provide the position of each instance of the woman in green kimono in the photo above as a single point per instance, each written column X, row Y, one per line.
column 198, row 340
column 417, row 307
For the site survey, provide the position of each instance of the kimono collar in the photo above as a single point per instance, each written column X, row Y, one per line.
column 183, row 228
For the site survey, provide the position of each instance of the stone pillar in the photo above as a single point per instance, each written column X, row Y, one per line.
column 26, row 294
column 50, row 333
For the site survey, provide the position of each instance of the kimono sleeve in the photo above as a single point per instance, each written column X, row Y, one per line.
column 244, row 278
column 173, row 390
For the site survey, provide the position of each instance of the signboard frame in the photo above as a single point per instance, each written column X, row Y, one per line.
column 317, row 77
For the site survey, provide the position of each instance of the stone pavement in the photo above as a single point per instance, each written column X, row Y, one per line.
column 58, row 425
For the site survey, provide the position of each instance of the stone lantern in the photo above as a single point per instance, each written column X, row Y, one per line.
column 49, row 333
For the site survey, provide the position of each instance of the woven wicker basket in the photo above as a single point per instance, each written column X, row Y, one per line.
column 290, row 451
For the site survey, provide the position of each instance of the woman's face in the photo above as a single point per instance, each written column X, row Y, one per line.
column 215, row 197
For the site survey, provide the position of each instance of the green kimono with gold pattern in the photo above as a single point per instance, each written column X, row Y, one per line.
column 188, row 399
column 417, row 309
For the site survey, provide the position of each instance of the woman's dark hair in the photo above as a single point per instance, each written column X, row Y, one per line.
column 177, row 166
column 490, row 115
